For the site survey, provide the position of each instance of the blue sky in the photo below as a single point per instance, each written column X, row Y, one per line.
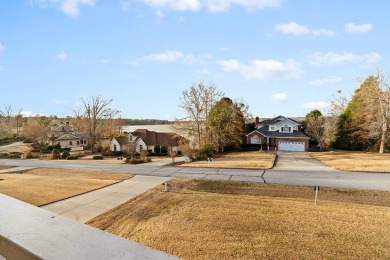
column 282, row 57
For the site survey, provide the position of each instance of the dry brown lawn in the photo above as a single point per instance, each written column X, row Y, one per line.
column 355, row 161
column 250, row 160
column 228, row 220
column 19, row 149
column 42, row 186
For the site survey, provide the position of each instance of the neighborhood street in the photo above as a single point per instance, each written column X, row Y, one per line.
column 292, row 168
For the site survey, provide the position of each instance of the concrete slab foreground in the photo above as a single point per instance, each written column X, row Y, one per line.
column 85, row 207
column 17, row 169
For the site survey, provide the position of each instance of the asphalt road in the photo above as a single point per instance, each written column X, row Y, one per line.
column 291, row 169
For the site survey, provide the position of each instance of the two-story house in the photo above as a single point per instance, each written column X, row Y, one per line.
column 67, row 136
column 280, row 133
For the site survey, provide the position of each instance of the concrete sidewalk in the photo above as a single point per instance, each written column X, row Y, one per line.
column 17, row 169
column 85, row 207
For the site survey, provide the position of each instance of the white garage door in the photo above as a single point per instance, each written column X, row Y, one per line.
column 292, row 146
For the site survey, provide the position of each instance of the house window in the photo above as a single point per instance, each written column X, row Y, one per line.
column 59, row 143
column 255, row 140
column 272, row 128
column 114, row 147
column 78, row 142
column 130, row 138
column 286, row 129
column 70, row 143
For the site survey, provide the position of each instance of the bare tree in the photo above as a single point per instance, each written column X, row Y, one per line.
column 197, row 102
column 94, row 114
column 11, row 120
column 383, row 98
column 36, row 133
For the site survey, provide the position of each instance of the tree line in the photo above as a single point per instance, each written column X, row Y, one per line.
column 362, row 123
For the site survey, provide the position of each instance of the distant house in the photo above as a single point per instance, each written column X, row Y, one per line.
column 143, row 139
column 67, row 136
column 280, row 133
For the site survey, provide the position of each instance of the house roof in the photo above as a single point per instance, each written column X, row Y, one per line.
column 121, row 139
column 66, row 137
column 277, row 134
column 151, row 138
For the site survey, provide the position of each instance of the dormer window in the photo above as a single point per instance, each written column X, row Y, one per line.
column 286, row 129
column 272, row 128
column 130, row 138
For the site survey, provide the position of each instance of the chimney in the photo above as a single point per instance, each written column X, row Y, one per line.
column 257, row 120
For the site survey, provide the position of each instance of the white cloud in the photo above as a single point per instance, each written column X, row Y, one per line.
column 331, row 58
column 62, row 55
column 292, row 28
column 216, row 6
column 170, row 56
column 324, row 32
column 177, row 5
column 355, row 28
column 279, row 97
column 299, row 29
column 213, row 6
column 1, row 47
column 72, row 7
column 264, row 69
column 223, row 49
column 315, row 105
column 69, row 7
column 326, row 81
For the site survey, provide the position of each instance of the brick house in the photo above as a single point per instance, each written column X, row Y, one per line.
column 280, row 134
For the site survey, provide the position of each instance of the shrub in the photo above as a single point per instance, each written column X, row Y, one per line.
column 206, row 151
column 97, row 157
column 157, row 149
column 13, row 156
column 55, row 154
column 72, row 157
column 4, row 155
column 65, row 154
column 137, row 160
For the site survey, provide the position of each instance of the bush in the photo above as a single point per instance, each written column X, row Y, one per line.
column 206, row 151
column 55, row 154
column 97, row 157
column 65, row 154
column 137, row 160
column 72, row 157
column 4, row 155
column 13, row 156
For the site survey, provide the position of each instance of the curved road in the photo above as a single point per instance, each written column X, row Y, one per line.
column 291, row 169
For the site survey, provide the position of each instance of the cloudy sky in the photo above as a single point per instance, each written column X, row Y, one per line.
column 282, row 57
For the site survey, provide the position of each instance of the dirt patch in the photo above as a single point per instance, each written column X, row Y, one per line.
column 212, row 220
column 355, row 161
column 243, row 160
column 42, row 186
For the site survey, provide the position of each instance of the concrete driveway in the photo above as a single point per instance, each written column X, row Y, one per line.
column 299, row 161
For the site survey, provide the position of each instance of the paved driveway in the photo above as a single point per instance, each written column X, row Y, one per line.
column 299, row 161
